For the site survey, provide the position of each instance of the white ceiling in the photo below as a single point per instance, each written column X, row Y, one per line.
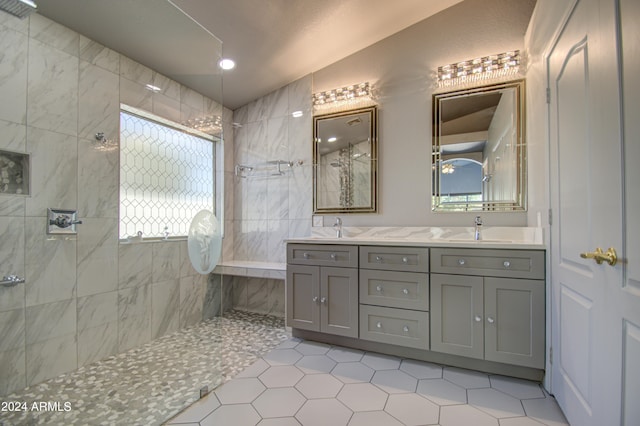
column 273, row 42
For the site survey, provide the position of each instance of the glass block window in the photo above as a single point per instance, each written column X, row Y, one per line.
column 166, row 176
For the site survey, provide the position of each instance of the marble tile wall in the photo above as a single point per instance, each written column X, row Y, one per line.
column 87, row 297
column 269, row 209
column 265, row 210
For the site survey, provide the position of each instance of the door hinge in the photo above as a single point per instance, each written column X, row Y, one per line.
column 548, row 95
column 550, row 217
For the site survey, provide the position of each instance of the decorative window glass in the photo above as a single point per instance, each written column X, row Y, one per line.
column 166, row 175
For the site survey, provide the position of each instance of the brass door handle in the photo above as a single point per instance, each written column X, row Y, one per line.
column 599, row 256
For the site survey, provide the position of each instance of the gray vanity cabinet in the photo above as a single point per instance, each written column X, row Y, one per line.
column 322, row 288
column 394, row 295
column 495, row 318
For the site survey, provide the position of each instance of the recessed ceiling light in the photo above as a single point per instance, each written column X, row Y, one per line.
column 332, row 139
column 227, row 64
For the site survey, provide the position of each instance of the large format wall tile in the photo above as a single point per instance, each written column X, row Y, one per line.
column 134, row 265
column 165, row 302
column 54, row 163
column 12, row 261
column 166, row 261
column 51, row 320
column 97, row 343
column 97, row 327
column 97, row 310
column 12, row 330
column 52, row 106
column 98, row 172
column 99, row 55
column 99, row 102
column 53, row 34
column 13, row 371
column 192, row 293
column 13, row 75
column 134, row 316
column 97, row 253
column 50, row 265
column 14, row 136
column 51, row 358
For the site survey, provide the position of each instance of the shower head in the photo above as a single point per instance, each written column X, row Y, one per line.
column 19, row 8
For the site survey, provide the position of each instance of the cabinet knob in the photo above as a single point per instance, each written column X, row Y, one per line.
column 461, row 262
column 379, row 289
column 323, row 300
column 405, row 328
column 506, row 263
column 333, row 256
column 405, row 259
column 305, row 255
column 490, row 320
column 379, row 324
column 315, row 299
column 477, row 318
column 405, row 291
column 378, row 258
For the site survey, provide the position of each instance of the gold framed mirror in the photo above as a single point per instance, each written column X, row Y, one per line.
column 479, row 149
column 345, row 153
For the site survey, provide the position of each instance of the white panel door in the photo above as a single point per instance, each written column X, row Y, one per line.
column 630, row 294
column 587, row 193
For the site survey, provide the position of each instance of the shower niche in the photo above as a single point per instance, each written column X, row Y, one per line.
column 14, row 173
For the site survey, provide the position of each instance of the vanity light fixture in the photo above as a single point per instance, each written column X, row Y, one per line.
column 206, row 124
column 332, row 139
column 487, row 67
column 343, row 94
column 227, row 64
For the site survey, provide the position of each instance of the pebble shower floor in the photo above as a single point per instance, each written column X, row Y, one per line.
column 150, row 384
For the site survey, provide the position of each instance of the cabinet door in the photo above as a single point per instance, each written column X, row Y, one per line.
column 303, row 297
column 514, row 321
column 339, row 301
column 457, row 315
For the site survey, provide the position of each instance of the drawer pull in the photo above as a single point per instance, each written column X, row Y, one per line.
column 323, row 300
column 379, row 325
column 490, row 320
column 379, row 289
column 461, row 262
column 506, row 263
column 333, row 256
column 405, row 260
column 306, row 255
column 379, row 259
column 405, row 328
column 405, row 291
column 477, row 318
column 315, row 299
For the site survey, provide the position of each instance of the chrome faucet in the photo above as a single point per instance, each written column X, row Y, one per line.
column 478, row 222
column 338, row 227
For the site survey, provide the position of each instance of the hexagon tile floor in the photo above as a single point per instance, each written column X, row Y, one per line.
column 308, row 383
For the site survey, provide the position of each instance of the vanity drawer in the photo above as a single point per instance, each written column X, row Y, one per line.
column 323, row 255
column 408, row 290
column 394, row 326
column 493, row 263
column 410, row 259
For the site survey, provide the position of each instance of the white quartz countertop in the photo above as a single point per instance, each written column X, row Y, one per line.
column 519, row 238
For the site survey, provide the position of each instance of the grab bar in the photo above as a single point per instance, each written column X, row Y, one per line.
column 11, row 280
